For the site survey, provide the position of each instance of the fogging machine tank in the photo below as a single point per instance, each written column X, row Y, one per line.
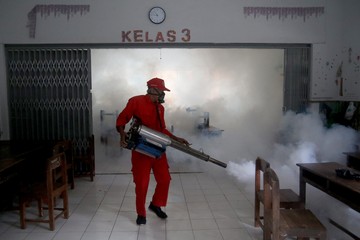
column 153, row 143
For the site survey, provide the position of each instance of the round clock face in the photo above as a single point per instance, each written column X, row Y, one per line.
column 157, row 15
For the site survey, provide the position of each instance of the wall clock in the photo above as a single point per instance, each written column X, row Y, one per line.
column 157, row 15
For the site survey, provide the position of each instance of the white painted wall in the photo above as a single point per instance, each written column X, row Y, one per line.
column 332, row 33
column 210, row 21
column 341, row 35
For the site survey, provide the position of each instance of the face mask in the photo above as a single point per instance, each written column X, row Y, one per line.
column 160, row 94
column 161, row 97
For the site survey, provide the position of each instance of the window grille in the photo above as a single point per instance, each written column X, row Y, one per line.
column 49, row 93
column 297, row 79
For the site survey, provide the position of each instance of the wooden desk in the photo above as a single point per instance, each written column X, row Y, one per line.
column 18, row 160
column 353, row 160
column 323, row 177
column 13, row 154
column 7, row 167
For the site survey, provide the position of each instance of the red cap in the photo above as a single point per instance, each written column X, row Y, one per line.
column 157, row 83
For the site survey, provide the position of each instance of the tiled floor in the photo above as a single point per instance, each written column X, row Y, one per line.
column 200, row 207
column 205, row 203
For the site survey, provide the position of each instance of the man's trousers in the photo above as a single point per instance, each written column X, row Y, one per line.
column 141, row 169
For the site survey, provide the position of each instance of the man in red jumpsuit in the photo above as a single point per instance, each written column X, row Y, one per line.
column 148, row 109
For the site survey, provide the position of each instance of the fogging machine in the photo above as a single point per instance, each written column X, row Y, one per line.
column 153, row 143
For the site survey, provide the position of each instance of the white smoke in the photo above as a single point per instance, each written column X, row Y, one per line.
column 222, row 82
column 302, row 138
column 242, row 91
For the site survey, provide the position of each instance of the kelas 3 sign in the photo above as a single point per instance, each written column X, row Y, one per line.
column 158, row 37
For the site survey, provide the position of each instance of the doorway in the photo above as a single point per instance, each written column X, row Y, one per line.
column 230, row 87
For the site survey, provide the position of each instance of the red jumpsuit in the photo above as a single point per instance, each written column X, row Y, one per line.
column 144, row 109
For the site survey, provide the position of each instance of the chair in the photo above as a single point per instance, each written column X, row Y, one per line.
column 85, row 161
column 288, row 198
column 47, row 191
column 66, row 147
column 284, row 223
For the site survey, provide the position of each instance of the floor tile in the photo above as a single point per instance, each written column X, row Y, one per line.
column 74, row 226
column 100, row 226
column 178, row 225
column 200, row 214
column 152, row 235
column 179, row 235
column 200, row 207
column 96, row 236
column 126, row 225
column 207, row 235
column 229, row 223
column 40, row 235
column 235, row 234
column 178, row 215
column 64, row 235
column 14, row 235
column 123, row 235
column 203, row 224
column 221, row 214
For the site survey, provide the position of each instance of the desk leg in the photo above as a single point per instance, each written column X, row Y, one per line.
column 302, row 186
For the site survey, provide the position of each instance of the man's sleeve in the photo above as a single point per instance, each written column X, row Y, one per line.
column 167, row 132
column 125, row 116
column 164, row 130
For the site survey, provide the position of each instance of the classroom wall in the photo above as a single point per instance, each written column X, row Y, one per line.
column 328, row 25
column 336, row 61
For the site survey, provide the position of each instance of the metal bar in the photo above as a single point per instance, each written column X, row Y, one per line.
column 344, row 229
column 196, row 153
